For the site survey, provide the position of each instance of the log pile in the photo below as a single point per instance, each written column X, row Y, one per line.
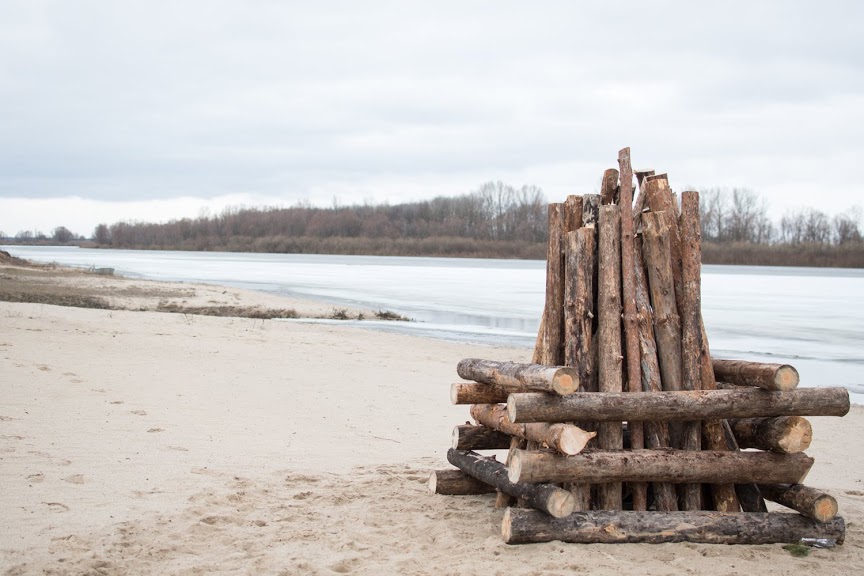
column 624, row 428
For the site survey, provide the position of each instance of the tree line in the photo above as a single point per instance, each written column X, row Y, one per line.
column 495, row 220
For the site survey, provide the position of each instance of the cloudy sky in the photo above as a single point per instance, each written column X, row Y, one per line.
column 152, row 110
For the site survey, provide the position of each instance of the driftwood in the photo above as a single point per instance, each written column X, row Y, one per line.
column 456, row 483
column 516, row 377
column 604, row 527
column 699, row 404
column 610, row 435
column 550, row 499
column 767, row 376
column 469, row 437
column 677, row 466
column 565, row 438
column 473, row 393
column 785, row 434
column 808, row 501
column 628, row 302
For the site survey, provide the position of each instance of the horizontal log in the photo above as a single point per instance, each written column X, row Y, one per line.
column 473, row 393
column 470, row 437
column 677, row 466
column 545, row 497
column 678, row 405
column 784, row 434
column 516, row 377
column 808, row 501
column 456, row 483
column 779, row 377
column 565, row 438
column 522, row 526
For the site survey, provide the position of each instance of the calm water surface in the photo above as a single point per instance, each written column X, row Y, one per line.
column 812, row 318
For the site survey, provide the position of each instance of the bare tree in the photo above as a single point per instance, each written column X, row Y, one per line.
column 846, row 227
column 62, row 235
column 101, row 234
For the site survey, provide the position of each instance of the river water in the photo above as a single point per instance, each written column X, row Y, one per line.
column 812, row 318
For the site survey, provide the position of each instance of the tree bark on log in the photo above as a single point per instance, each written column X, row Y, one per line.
column 628, row 302
column 785, row 434
column 473, row 393
column 590, row 209
column 579, row 304
column 549, row 349
column 565, row 438
column 768, row 376
column 456, row 483
column 667, row 325
column 549, row 499
column 656, row 433
column 675, row 466
column 516, row 377
column 808, row 501
column 469, row 437
column 671, row 406
column 691, row 328
column 609, row 187
column 602, row 527
column 659, row 198
column 572, row 215
column 610, row 436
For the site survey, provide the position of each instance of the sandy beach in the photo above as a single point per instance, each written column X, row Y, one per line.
column 146, row 442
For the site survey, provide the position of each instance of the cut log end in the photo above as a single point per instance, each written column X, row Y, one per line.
column 799, row 436
column 565, row 382
column 514, row 466
column 786, row 378
column 561, row 504
column 573, row 440
column 825, row 508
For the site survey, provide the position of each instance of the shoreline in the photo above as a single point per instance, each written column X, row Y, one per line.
column 147, row 442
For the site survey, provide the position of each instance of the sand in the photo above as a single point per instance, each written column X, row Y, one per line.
column 140, row 442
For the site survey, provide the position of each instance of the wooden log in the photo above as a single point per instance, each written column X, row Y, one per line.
column 667, row 325
column 656, row 434
column 691, row 329
column 604, row 527
column 456, row 483
column 550, row 499
column 590, row 209
column 675, row 466
column 659, row 198
column 516, row 377
column 502, row 499
column 565, row 438
column 572, row 215
column 628, row 302
column 469, row 437
column 767, row 376
column 579, row 303
column 785, row 434
column 671, row 406
column 549, row 349
column 810, row 502
column 609, row 187
column 473, row 393
column 639, row 204
column 749, row 496
column 610, row 435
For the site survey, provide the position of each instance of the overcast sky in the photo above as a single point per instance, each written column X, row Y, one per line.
column 153, row 110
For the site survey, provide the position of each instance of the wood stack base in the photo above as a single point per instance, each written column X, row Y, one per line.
column 618, row 431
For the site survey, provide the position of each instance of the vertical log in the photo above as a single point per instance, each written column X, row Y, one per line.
column 656, row 433
column 572, row 214
column 628, row 297
column 611, row 434
column 639, row 205
column 749, row 495
column 609, row 187
column 691, row 324
column 549, row 349
column 667, row 327
column 659, row 199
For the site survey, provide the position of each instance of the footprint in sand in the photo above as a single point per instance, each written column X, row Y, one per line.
column 116, row 402
column 36, row 478
column 138, row 412
column 6, row 418
column 44, row 368
column 56, row 507
column 177, row 448
column 156, row 430
column 75, row 479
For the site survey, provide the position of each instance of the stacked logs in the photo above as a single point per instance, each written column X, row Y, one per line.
column 624, row 428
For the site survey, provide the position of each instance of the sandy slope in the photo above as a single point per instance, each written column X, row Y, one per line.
column 152, row 443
